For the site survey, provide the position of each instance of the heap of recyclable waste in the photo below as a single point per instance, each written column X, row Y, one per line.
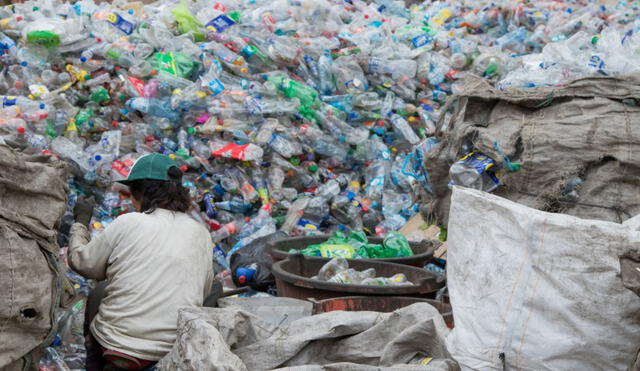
column 298, row 116
column 302, row 116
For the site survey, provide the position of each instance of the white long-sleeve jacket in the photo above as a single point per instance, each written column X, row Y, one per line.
column 154, row 264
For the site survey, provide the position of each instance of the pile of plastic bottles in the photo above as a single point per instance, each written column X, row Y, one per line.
column 292, row 115
column 337, row 271
column 302, row 116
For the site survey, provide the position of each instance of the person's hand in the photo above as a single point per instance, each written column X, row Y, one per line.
column 84, row 210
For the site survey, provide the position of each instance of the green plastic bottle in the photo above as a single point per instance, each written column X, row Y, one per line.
column 83, row 117
column 99, row 95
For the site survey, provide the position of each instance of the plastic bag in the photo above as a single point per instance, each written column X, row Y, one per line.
column 253, row 253
column 187, row 22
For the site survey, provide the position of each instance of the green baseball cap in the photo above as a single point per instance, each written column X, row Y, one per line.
column 154, row 166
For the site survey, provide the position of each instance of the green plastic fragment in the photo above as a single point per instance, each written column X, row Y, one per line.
column 187, row 22
column 45, row 38
column 100, row 95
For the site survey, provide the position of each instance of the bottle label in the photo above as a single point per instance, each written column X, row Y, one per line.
column 248, row 51
column 248, row 189
column 374, row 65
column 231, row 150
column 219, row 23
column 215, row 87
column 120, row 23
column 421, row 40
column 8, row 101
column 596, row 62
column 254, row 106
column 137, row 84
column 6, row 43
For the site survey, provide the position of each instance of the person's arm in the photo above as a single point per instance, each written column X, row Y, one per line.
column 210, row 277
column 89, row 258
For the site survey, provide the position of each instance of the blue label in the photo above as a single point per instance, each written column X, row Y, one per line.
column 215, row 87
column 247, row 51
column 8, row 101
column 254, row 106
column 6, row 43
column 120, row 23
column 374, row 65
column 478, row 162
column 220, row 23
column 427, row 108
column 421, row 40
column 596, row 62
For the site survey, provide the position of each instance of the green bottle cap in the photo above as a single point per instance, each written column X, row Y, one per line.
column 313, row 168
column 295, row 161
column 235, row 15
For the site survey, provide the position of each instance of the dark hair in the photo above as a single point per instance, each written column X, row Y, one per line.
column 170, row 194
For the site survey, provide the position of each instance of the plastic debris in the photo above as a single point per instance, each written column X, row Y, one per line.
column 337, row 271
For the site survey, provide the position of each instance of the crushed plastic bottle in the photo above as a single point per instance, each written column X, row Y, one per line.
column 337, row 271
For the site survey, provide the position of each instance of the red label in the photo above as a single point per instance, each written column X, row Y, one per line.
column 137, row 84
column 231, row 150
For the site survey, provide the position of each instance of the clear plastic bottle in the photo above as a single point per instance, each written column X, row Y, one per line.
column 402, row 126
column 294, row 214
column 153, row 107
column 333, row 267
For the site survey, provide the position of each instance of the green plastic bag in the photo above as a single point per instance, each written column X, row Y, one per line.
column 175, row 63
column 375, row 251
column 396, row 244
column 311, row 250
column 187, row 22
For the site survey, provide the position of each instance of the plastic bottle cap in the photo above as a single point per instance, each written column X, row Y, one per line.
column 114, row 123
column 83, row 59
column 242, row 279
column 172, row 156
column 184, row 168
column 41, row 106
column 24, row 63
column 313, row 168
column 191, row 130
column 21, row 130
column 35, row 8
column 153, row 72
column 130, row 11
column 98, row 157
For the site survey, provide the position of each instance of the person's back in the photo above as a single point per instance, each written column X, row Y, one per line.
column 158, row 264
column 151, row 263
